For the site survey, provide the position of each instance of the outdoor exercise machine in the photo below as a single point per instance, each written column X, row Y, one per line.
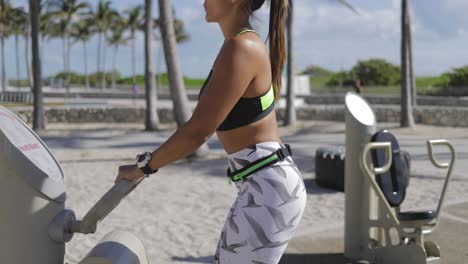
column 375, row 228
column 35, row 224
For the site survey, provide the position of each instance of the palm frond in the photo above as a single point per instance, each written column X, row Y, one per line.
column 348, row 5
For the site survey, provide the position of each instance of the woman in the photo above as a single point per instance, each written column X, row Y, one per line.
column 237, row 101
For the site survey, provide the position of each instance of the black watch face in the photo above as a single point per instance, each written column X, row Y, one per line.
column 141, row 158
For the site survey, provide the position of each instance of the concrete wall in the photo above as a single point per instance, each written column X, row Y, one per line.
column 439, row 116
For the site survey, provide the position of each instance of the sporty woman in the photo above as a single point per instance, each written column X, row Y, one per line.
column 237, row 102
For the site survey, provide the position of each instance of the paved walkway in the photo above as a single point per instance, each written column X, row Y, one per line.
column 327, row 247
column 320, row 237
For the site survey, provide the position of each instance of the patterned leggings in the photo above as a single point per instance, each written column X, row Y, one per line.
column 266, row 212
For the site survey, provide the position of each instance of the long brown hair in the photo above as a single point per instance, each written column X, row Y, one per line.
column 276, row 37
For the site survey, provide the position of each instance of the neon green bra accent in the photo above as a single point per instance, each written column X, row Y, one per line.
column 267, row 99
column 246, row 30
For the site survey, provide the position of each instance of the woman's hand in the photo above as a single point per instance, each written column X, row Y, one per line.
column 129, row 172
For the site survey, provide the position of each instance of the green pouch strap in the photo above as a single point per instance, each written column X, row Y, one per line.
column 259, row 164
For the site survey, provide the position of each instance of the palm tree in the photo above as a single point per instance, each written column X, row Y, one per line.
column 18, row 26
column 82, row 31
column 49, row 28
column 345, row 3
column 181, row 36
column 26, row 35
column 102, row 17
column 116, row 39
column 46, row 26
column 57, row 29
column 410, row 59
column 178, row 93
column 67, row 11
column 38, row 112
column 5, row 30
column 407, row 119
column 290, row 115
column 179, row 96
column 158, row 40
column 152, row 119
column 179, row 29
column 134, row 22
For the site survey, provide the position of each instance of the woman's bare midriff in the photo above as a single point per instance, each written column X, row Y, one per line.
column 263, row 130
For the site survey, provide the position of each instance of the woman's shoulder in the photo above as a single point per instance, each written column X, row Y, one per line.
column 243, row 47
column 242, row 44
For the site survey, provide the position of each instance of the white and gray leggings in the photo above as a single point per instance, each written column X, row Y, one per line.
column 266, row 212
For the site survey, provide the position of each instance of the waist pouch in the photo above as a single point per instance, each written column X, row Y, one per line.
column 259, row 164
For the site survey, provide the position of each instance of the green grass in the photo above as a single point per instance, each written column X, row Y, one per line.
column 190, row 83
column 318, row 81
column 194, row 83
column 317, row 85
column 423, row 84
column 429, row 81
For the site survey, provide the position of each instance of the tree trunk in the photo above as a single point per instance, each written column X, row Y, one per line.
column 178, row 94
column 41, row 52
column 290, row 116
column 158, row 66
column 17, row 61
column 176, row 84
column 38, row 111
column 64, row 54
column 133, row 60
column 103, row 80
column 28, row 65
column 411, row 58
column 4, row 84
column 68, row 49
column 98, row 66
column 68, row 62
column 407, row 119
column 85, row 53
column 152, row 119
column 116, row 48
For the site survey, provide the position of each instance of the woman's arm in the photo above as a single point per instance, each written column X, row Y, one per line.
column 232, row 74
column 183, row 142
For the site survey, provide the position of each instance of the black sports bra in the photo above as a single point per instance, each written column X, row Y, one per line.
column 246, row 110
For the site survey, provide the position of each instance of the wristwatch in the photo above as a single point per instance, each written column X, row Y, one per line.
column 143, row 161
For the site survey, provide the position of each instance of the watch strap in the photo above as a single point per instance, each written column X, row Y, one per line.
column 143, row 161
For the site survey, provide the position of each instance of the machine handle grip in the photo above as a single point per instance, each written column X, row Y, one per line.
column 449, row 166
column 104, row 206
column 435, row 142
column 370, row 174
column 387, row 146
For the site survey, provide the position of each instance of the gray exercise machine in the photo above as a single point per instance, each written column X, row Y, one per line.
column 376, row 230
column 35, row 223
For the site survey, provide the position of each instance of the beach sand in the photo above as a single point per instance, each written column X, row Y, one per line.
column 178, row 213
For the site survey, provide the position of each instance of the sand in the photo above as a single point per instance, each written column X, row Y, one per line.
column 178, row 213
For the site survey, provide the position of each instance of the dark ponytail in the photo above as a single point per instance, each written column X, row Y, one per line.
column 276, row 38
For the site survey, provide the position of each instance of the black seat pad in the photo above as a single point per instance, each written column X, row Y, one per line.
column 416, row 215
column 392, row 183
